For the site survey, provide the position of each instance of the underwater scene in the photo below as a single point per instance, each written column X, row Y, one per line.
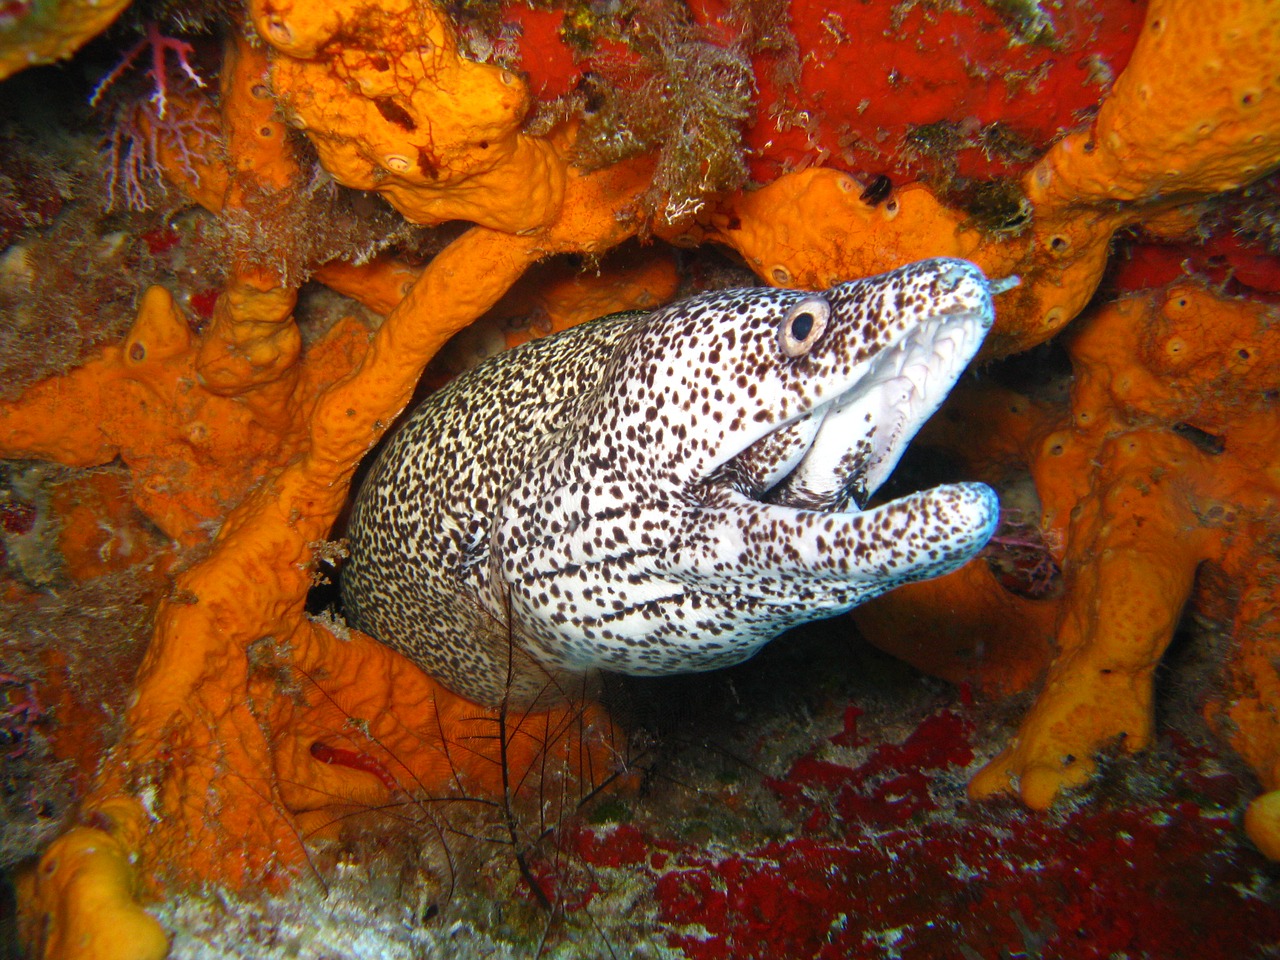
column 683, row 479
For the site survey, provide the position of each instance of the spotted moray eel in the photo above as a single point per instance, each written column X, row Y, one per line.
column 666, row 492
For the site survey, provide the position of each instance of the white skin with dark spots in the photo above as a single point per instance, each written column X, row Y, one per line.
column 662, row 493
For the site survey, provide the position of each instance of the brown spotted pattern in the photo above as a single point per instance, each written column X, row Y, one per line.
column 667, row 492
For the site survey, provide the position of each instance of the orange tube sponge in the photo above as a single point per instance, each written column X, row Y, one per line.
column 379, row 284
column 256, row 171
column 88, row 892
column 142, row 401
column 1170, row 462
column 256, row 159
column 1174, row 129
column 564, row 295
column 207, row 729
column 1131, row 560
column 1195, row 112
column 45, row 32
column 391, row 106
column 816, row 227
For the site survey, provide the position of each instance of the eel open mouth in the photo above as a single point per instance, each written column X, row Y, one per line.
column 836, row 456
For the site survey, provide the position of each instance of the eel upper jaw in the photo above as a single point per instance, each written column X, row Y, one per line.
column 852, row 443
column 906, row 387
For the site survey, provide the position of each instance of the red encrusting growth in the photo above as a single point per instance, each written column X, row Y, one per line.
column 1226, row 261
column 17, row 516
column 202, row 302
column 952, row 87
column 889, row 859
column 355, row 761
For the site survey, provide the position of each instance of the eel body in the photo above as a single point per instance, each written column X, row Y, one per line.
column 666, row 492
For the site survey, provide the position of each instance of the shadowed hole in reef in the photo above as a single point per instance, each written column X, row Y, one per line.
column 9, row 949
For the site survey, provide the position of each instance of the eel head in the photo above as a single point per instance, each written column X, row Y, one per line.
column 711, row 493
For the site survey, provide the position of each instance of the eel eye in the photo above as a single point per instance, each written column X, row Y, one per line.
column 803, row 326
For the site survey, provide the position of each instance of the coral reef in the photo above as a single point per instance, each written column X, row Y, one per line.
column 1157, row 476
column 806, row 229
column 874, row 138
column 165, row 398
